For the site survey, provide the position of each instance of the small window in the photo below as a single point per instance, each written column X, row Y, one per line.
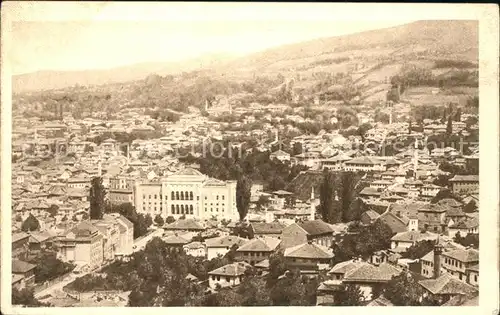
column 475, row 278
column 222, row 197
column 227, row 279
column 218, row 278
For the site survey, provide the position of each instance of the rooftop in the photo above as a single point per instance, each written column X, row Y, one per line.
column 446, row 284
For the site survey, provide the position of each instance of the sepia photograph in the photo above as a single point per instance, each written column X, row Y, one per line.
column 248, row 154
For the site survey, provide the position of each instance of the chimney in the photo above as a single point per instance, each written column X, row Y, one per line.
column 438, row 250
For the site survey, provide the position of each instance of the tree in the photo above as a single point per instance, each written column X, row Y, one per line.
column 25, row 297
column 297, row 148
column 49, row 267
column 449, row 126
column 444, row 194
column 356, row 208
column 243, row 195
column 419, row 249
column 30, row 224
column 458, row 115
column 470, row 207
column 404, row 290
column 328, row 206
column 363, row 129
column 468, row 240
column 169, row 219
column 52, row 210
column 97, row 194
column 277, row 267
column 159, row 220
column 349, row 295
column 409, row 127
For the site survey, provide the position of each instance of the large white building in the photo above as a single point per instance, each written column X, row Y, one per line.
column 187, row 192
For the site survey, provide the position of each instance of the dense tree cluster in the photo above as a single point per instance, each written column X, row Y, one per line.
column 49, row 267
column 362, row 241
column 25, row 297
column 30, row 224
column 338, row 191
column 257, row 166
column 97, row 195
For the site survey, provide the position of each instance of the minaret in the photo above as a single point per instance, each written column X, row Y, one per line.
column 438, row 250
column 415, row 159
column 206, row 105
column 312, row 215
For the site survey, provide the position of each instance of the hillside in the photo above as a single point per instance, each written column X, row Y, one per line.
column 45, row 80
column 369, row 57
column 457, row 39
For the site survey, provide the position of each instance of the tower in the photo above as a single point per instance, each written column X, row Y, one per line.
column 415, row 159
column 438, row 250
column 312, row 215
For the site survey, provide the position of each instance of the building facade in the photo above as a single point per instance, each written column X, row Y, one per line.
column 187, row 193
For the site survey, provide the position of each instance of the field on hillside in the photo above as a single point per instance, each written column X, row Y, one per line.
column 425, row 96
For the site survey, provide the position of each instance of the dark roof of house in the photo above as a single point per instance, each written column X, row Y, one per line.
column 19, row 266
column 267, row 228
column 464, row 255
column 393, row 222
column 316, row 227
column 186, row 224
column 266, row 244
column 465, row 178
column 19, row 236
column 370, row 214
column 225, row 241
column 448, row 285
column 234, row 269
column 308, row 250
column 176, row 240
column 380, row 301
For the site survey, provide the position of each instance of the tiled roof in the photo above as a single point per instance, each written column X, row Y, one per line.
column 316, row 227
column 369, row 273
column 263, row 264
column 380, row 301
column 189, row 172
column 447, row 284
column 266, row 244
column 413, row 236
column 175, row 240
column 186, row 224
column 346, row 266
column 464, row 255
column 234, row 269
column 194, row 245
column 465, row 178
column 372, row 215
column 83, row 229
column 369, row 191
column 19, row 266
column 395, row 224
column 19, row 236
column 225, row 241
column 267, row 228
column 308, row 250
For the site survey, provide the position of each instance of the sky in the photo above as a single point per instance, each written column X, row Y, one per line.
column 96, row 35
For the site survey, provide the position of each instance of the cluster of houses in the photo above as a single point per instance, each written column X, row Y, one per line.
column 88, row 245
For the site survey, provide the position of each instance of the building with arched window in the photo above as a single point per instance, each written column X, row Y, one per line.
column 189, row 193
